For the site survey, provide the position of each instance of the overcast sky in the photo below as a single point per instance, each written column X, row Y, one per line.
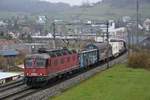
column 73, row 2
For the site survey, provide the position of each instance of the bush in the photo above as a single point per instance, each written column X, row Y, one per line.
column 15, row 69
column 3, row 63
column 140, row 59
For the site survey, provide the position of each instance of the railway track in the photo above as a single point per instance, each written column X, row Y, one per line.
column 19, row 94
column 22, row 92
column 13, row 91
column 11, row 85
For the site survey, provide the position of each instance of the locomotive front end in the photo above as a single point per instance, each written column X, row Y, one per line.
column 35, row 71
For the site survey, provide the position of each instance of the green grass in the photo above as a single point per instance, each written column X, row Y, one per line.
column 118, row 83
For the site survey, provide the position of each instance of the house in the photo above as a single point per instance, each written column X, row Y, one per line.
column 10, row 56
column 7, row 44
column 146, row 24
column 126, row 19
column 120, row 33
column 2, row 23
column 41, row 19
column 145, row 43
column 9, row 53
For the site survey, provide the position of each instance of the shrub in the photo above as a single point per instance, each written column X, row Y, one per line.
column 3, row 63
column 140, row 59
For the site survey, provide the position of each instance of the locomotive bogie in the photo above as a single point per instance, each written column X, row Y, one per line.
column 35, row 81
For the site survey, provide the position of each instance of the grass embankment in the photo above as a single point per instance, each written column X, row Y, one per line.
column 118, row 83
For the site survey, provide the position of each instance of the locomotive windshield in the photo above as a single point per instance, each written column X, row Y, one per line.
column 40, row 62
column 37, row 62
column 28, row 62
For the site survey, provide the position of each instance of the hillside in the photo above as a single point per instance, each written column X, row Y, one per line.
column 124, row 3
column 107, row 9
column 31, row 6
column 111, row 9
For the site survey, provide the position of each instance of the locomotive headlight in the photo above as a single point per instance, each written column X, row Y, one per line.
column 41, row 74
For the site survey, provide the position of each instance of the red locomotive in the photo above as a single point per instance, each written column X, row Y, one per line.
column 47, row 64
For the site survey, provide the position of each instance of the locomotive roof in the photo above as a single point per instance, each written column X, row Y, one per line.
column 57, row 52
column 44, row 56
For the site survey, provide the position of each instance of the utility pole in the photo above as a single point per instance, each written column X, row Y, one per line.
column 129, row 40
column 137, row 25
column 107, row 35
column 54, row 35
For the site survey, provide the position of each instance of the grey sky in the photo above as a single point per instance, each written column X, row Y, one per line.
column 73, row 2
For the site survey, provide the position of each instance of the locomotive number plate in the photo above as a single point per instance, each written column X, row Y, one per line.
column 34, row 74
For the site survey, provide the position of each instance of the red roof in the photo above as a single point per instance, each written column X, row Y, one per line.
column 6, row 42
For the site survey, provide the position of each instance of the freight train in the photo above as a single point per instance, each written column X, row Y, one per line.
column 47, row 64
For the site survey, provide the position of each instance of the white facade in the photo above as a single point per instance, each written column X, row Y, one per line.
column 2, row 23
column 146, row 24
column 41, row 19
column 120, row 33
column 126, row 19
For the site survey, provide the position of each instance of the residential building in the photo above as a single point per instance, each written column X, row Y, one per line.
column 146, row 24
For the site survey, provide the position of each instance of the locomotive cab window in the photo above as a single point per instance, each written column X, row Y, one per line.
column 28, row 62
column 40, row 62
